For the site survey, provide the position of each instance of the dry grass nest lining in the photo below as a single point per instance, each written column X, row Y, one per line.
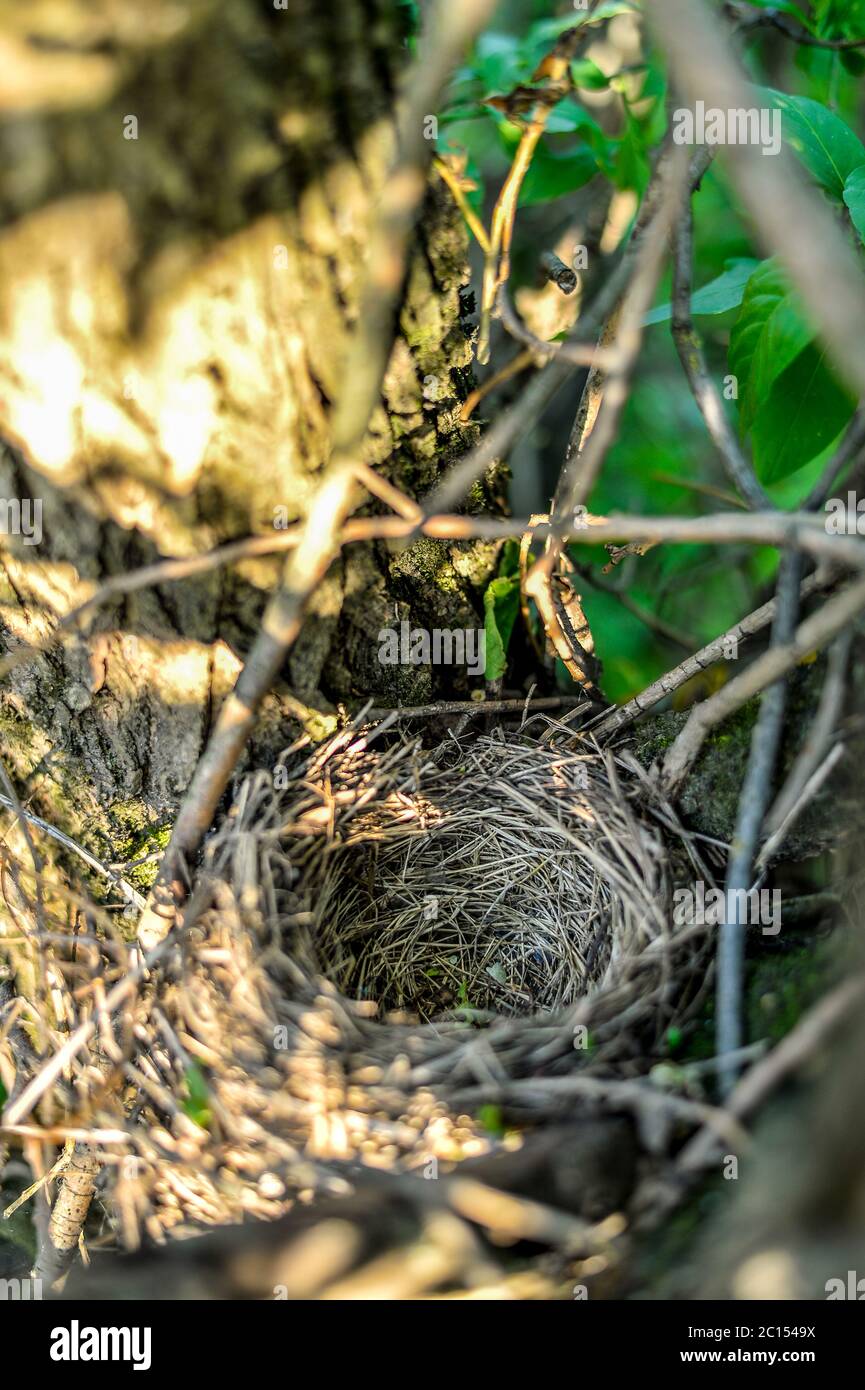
column 501, row 876
column 511, row 880
column 308, row 962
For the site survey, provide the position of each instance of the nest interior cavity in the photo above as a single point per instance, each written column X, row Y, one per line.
column 506, row 876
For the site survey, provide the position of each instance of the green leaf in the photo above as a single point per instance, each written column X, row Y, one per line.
column 764, row 291
column 719, row 296
column 786, row 334
column 827, row 146
column 587, row 74
column 501, row 605
column 196, row 1103
column 768, row 335
column 490, row 1117
column 790, row 400
column 854, row 197
column 806, row 409
column 569, row 116
column 554, row 175
column 4, row 1095
column 499, row 63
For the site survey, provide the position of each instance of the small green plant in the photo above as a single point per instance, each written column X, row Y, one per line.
column 196, row 1102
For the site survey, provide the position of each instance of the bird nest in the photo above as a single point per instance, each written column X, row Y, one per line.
column 495, row 877
column 393, row 953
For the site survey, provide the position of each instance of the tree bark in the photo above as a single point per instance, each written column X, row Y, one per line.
column 184, row 199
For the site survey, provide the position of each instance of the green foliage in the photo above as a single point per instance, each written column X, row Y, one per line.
column 791, row 406
column 490, row 1117
column 721, row 295
column 196, row 1102
column 854, row 197
column 575, row 147
column 825, row 144
column 790, row 400
column 501, row 606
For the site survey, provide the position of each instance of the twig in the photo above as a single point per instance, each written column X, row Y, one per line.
column 810, row 636
column 148, row 576
column 805, row 793
column 690, row 351
column 849, row 451
column 19, row 1107
column 577, row 354
column 523, row 413
column 497, row 268
column 517, row 364
column 651, row 620
column 819, row 738
column 795, row 1050
column 13, row 801
column 753, row 803
column 615, row 720
column 476, row 707
column 474, row 223
column 129, row 893
column 750, row 18
column 597, row 424
column 559, row 274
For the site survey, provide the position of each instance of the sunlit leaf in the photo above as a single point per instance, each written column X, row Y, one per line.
column 826, row 145
column 501, row 606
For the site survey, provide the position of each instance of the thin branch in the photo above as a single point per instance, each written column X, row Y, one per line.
column 815, row 632
column 518, row 418
column 27, row 818
column 520, row 363
column 805, row 794
column 448, row 707
column 650, row 620
column 690, row 351
column 753, row 804
column 618, row 719
column 598, row 419
column 148, row 576
column 750, row 18
column 796, row 1050
column 474, row 223
column 577, row 354
column 849, row 451
column 815, row 747
column 497, row 267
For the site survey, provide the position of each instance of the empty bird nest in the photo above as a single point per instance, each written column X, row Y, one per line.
column 394, row 954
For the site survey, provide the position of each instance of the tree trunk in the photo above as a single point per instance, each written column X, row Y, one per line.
column 184, row 200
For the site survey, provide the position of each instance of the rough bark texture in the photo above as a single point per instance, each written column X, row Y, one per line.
column 184, row 198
